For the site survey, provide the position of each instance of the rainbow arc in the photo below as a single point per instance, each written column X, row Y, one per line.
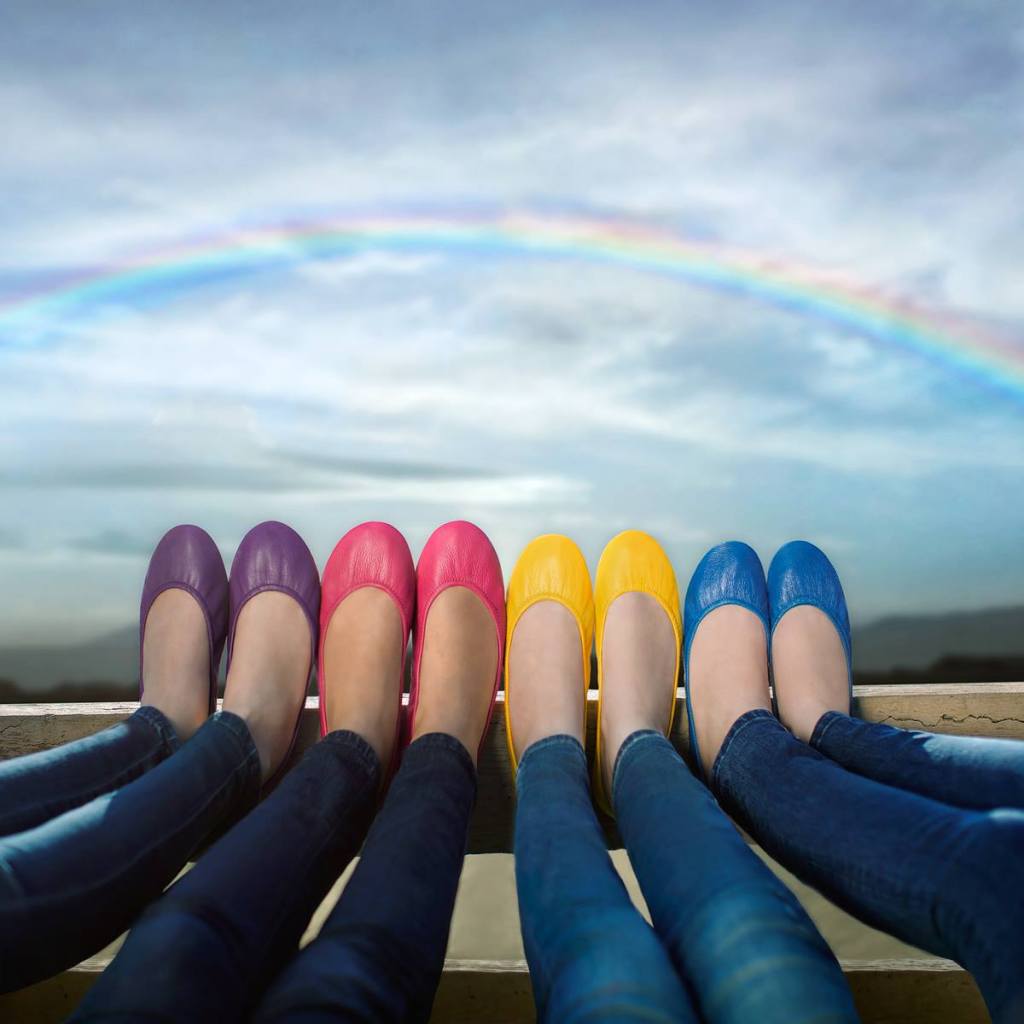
column 961, row 345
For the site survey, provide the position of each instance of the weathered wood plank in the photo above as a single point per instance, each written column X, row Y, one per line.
column 885, row 992
column 498, row 992
column 914, row 991
column 979, row 709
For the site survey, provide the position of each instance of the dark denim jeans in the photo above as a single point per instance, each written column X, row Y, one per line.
column 209, row 948
column 964, row 771
column 729, row 942
column 38, row 787
column 83, row 864
column 933, row 857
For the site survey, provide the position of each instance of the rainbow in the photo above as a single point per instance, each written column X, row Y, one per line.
column 961, row 345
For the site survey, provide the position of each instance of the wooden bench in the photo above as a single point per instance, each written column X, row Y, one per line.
column 887, row 991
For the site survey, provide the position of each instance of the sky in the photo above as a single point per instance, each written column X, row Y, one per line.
column 880, row 142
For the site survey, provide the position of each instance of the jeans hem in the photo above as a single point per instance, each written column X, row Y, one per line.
column 160, row 724
column 627, row 745
column 239, row 731
column 747, row 718
column 356, row 745
column 446, row 742
column 557, row 740
column 827, row 720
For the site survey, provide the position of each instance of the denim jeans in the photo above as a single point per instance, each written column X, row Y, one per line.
column 734, row 931
column 965, row 771
column 591, row 955
column 380, row 953
column 210, row 947
column 73, row 883
column 900, row 854
column 729, row 942
column 38, row 787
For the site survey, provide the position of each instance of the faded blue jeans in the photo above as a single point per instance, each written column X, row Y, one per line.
column 729, row 942
column 95, row 829
column 919, row 835
column 210, row 947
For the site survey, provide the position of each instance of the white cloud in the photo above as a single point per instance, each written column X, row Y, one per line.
column 367, row 264
column 534, row 394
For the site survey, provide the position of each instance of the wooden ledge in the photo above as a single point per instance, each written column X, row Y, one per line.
column 480, row 991
column 885, row 991
column 976, row 709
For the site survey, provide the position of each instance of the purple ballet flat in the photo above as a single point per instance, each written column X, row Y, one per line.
column 273, row 556
column 187, row 559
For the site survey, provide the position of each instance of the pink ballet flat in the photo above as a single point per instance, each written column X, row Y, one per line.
column 370, row 555
column 457, row 554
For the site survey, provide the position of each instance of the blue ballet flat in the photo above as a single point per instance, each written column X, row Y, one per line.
column 730, row 573
column 801, row 573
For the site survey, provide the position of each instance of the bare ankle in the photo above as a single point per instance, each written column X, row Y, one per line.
column 728, row 675
column 364, row 646
column 269, row 674
column 545, row 675
column 802, row 717
column 810, row 670
column 176, row 661
column 458, row 665
column 639, row 666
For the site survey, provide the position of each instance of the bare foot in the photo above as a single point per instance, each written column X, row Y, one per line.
column 545, row 672
column 809, row 665
column 728, row 675
column 176, row 661
column 363, row 649
column 269, row 674
column 638, row 656
column 457, row 668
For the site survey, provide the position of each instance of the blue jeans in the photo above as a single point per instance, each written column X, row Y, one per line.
column 210, row 947
column 729, row 942
column 883, row 823
column 98, row 839
column 38, row 787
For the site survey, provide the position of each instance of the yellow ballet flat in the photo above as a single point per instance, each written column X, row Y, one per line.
column 551, row 568
column 633, row 561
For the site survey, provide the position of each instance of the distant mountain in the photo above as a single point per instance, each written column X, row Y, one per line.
column 917, row 641
column 968, row 646
column 111, row 659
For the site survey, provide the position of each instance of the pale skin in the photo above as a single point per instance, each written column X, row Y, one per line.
column 176, row 661
column 546, row 674
column 270, row 665
column 728, row 673
column 810, row 669
column 545, row 667
column 267, row 680
column 363, row 650
column 363, row 653
column 457, row 671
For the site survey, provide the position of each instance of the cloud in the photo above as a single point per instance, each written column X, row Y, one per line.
column 118, row 543
column 11, row 540
column 291, row 473
column 424, row 384
column 609, row 119
column 367, row 264
column 882, row 142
